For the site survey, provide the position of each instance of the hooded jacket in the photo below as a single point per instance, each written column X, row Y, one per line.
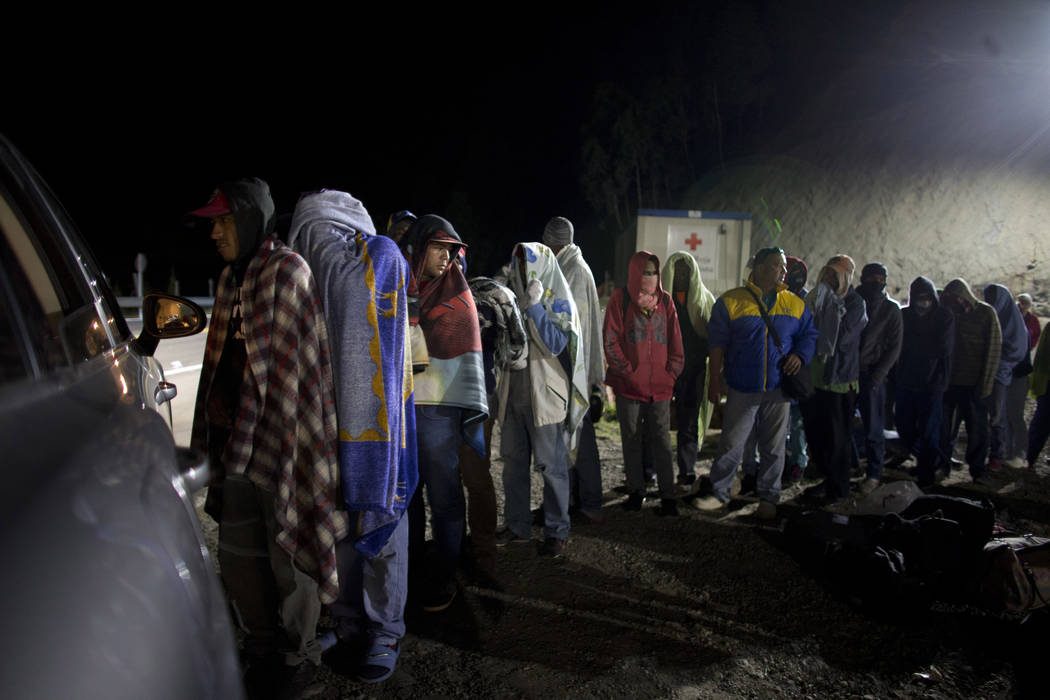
column 978, row 341
column 751, row 355
column 253, row 212
column 880, row 341
column 644, row 350
column 558, row 382
column 927, row 341
column 1014, row 332
column 362, row 279
column 445, row 310
column 848, row 318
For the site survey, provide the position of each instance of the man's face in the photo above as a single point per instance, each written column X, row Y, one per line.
column 437, row 259
column 956, row 305
column 770, row 272
column 224, row 233
column 1024, row 304
column 681, row 276
column 875, row 279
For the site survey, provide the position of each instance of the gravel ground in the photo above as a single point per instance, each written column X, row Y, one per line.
column 702, row 606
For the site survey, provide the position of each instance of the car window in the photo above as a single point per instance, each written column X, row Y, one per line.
column 59, row 311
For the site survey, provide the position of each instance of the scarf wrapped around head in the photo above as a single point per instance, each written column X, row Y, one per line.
column 535, row 261
column 362, row 278
column 444, row 308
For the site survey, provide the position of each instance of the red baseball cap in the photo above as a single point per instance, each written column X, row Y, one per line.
column 216, row 206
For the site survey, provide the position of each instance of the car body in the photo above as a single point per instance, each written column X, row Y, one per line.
column 110, row 592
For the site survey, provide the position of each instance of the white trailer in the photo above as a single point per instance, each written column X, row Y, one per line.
column 719, row 241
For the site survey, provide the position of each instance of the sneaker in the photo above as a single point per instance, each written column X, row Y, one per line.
column 749, row 485
column 708, row 503
column 957, row 464
column 440, row 598
column 867, row 486
column 766, row 510
column 1015, row 462
column 507, row 536
column 668, row 507
column 633, row 502
column 552, row 547
column 686, row 479
column 300, row 682
column 994, row 465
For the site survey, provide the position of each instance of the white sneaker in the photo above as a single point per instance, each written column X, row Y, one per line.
column 868, row 485
column 706, row 503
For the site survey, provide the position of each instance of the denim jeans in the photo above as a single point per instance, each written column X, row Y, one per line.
column 795, row 451
column 586, row 474
column 521, row 442
column 997, row 438
column 919, row 425
column 647, row 421
column 688, row 395
column 742, row 409
column 372, row 590
column 476, row 474
column 438, row 439
column 828, row 416
column 872, row 403
column 962, row 405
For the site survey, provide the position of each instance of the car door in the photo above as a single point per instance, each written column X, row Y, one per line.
column 111, row 592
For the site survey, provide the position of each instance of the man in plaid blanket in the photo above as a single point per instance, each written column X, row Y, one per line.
column 265, row 414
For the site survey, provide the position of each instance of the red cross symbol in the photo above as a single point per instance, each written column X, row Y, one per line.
column 693, row 241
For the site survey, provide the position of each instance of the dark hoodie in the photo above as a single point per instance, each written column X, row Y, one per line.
column 926, row 348
column 644, row 351
column 253, row 212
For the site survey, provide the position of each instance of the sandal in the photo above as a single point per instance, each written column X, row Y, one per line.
column 379, row 662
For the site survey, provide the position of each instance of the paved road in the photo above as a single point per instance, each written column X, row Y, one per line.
column 181, row 359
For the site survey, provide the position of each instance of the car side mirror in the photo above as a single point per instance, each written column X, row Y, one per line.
column 167, row 316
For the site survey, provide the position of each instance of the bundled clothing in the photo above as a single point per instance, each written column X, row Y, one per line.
column 880, row 347
column 1039, row 428
column 545, row 402
column 692, row 407
column 1008, row 434
column 363, row 278
column 975, row 362
column 586, row 475
column 644, row 346
column 451, row 400
column 840, row 317
column 923, row 370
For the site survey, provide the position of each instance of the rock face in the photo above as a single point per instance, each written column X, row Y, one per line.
column 930, row 152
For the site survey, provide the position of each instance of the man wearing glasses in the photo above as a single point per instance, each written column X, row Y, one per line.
column 742, row 347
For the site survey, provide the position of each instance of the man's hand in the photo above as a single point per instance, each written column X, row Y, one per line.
column 533, row 293
column 792, row 364
column 714, row 389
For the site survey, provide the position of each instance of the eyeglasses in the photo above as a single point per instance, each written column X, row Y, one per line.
column 764, row 253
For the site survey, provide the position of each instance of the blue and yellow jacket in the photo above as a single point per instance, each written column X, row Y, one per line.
column 751, row 355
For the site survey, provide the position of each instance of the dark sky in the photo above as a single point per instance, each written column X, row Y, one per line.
column 475, row 117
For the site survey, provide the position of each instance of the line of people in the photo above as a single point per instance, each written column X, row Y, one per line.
column 348, row 377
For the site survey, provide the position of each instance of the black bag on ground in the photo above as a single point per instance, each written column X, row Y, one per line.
column 975, row 518
column 1016, row 574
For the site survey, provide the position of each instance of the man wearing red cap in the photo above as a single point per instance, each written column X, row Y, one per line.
column 265, row 415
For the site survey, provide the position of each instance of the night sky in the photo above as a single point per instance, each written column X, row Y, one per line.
column 477, row 117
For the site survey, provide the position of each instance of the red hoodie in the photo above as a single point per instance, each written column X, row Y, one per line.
column 644, row 350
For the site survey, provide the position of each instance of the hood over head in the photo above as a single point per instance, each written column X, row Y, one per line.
column 635, row 267
column 339, row 212
column 922, row 285
column 699, row 299
column 1015, row 332
column 423, row 230
column 253, row 210
column 959, row 288
column 797, row 274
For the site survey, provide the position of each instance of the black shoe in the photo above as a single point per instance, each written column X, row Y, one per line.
column 552, row 547
column 686, row 479
column 668, row 507
column 300, row 682
column 507, row 536
column 538, row 518
column 439, row 598
column 749, row 485
column 633, row 502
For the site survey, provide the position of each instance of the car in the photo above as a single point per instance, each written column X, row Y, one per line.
column 110, row 591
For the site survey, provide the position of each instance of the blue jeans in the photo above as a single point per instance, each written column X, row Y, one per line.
column 795, row 452
column 521, row 442
column 872, row 403
column 919, row 425
column 997, row 422
column 770, row 408
column 372, row 589
column 963, row 405
column 438, row 439
column 587, row 472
